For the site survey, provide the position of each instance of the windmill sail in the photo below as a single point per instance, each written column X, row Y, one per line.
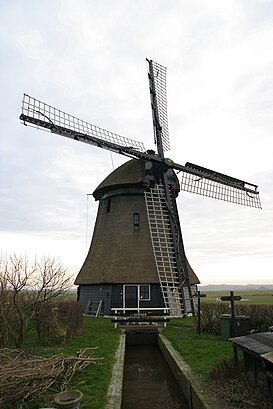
column 219, row 186
column 158, row 92
column 46, row 117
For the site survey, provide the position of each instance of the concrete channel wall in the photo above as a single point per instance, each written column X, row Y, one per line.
column 114, row 395
column 195, row 393
column 191, row 386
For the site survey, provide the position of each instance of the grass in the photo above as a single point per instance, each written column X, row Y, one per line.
column 248, row 296
column 211, row 358
column 94, row 380
column 202, row 352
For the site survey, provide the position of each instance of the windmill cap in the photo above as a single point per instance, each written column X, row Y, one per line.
column 133, row 173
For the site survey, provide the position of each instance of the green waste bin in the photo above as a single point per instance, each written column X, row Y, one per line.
column 242, row 325
column 226, row 322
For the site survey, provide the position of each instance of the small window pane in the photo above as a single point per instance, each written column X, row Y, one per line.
column 136, row 219
column 144, row 292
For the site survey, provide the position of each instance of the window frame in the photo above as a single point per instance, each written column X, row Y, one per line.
column 149, row 292
column 139, row 300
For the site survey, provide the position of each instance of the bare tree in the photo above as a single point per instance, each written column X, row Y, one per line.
column 50, row 279
column 23, row 287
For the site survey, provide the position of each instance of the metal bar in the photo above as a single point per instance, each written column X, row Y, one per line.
column 214, row 176
column 221, row 177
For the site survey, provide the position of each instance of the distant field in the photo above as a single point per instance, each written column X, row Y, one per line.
column 248, row 296
column 69, row 295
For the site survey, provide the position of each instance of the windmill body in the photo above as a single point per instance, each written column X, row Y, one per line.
column 137, row 256
column 120, row 267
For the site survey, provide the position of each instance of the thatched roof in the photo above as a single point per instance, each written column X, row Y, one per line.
column 192, row 276
column 131, row 173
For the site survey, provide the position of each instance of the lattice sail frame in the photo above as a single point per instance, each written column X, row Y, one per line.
column 160, row 79
column 218, row 190
column 54, row 118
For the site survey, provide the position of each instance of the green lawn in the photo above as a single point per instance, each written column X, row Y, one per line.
column 248, row 296
column 211, row 358
column 94, row 380
column 201, row 352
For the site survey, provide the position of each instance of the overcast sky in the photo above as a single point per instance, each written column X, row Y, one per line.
column 88, row 59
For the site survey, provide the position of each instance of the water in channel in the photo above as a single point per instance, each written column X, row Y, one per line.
column 148, row 380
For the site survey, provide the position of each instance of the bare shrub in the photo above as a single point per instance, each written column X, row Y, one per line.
column 237, row 390
column 58, row 321
column 210, row 318
column 70, row 317
column 261, row 316
column 24, row 286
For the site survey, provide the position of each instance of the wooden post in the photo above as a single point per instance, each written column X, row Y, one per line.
column 198, row 313
column 233, row 323
column 198, row 295
column 232, row 298
column 233, row 326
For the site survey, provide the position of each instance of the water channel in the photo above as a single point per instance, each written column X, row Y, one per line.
column 148, row 380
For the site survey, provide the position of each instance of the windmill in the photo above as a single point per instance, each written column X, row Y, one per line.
column 160, row 188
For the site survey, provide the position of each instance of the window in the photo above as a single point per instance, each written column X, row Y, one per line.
column 135, row 295
column 136, row 219
column 144, row 292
